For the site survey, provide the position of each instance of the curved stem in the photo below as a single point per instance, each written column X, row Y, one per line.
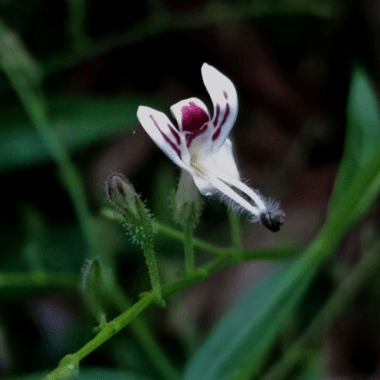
column 151, row 262
column 189, row 249
column 113, row 327
column 145, row 337
column 31, row 97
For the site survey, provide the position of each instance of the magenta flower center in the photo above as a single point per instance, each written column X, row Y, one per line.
column 194, row 122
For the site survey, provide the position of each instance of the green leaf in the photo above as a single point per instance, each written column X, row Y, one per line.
column 236, row 347
column 312, row 372
column 78, row 121
column 363, row 131
column 96, row 374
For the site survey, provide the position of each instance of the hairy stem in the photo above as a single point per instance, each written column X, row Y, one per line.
column 129, row 315
column 146, row 338
column 151, row 262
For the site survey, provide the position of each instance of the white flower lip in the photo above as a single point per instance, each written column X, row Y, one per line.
column 201, row 146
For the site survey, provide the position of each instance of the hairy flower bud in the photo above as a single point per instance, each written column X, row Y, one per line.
column 121, row 193
column 138, row 223
column 137, row 217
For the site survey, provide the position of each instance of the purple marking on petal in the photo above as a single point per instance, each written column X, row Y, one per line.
column 226, row 114
column 193, row 117
column 166, row 138
column 225, row 94
column 219, row 129
column 217, row 113
column 191, row 136
column 175, row 134
column 194, row 122
column 216, row 134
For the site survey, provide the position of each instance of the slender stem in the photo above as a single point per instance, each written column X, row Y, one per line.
column 34, row 105
column 147, row 340
column 148, row 298
column 199, row 243
column 235, row 230
column 247, row 254
column 335, row 305
column 189, row 249
column 113, row 327
column 153, row 272
column 116, row 325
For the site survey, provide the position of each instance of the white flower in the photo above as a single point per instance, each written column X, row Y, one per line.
column 202, row 148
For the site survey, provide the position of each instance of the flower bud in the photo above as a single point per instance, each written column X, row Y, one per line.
column 121, row 193
column 187, row 202
column 95, row 288
column 138, row 223
column 137, row 217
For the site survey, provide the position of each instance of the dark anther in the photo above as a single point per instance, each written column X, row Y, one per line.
column 270, row 222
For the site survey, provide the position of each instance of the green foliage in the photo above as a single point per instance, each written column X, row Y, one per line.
column 235, row 348
column 78, row 121
column 44, row 256
column 228, row 344
column 363, row 132
column 98, row 374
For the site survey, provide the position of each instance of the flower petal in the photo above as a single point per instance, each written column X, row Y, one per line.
column 165, row 135
column 224, row 98
column 224, row 161
column 204, row 186
column 193, row 119
column 211, row 185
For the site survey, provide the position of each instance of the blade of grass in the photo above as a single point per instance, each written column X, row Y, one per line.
column 363, row 131
column 335, row 305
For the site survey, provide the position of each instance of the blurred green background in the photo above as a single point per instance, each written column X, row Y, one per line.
column 73, row 73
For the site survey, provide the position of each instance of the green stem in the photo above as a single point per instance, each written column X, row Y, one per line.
column 129, row 315
column 148, row 298
column 151, row 262
column 335, row 305
column 199, row 243
column 147, row 340
column 35, row 107
column 235, row 230
column 247, row 254
column 189, row 249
